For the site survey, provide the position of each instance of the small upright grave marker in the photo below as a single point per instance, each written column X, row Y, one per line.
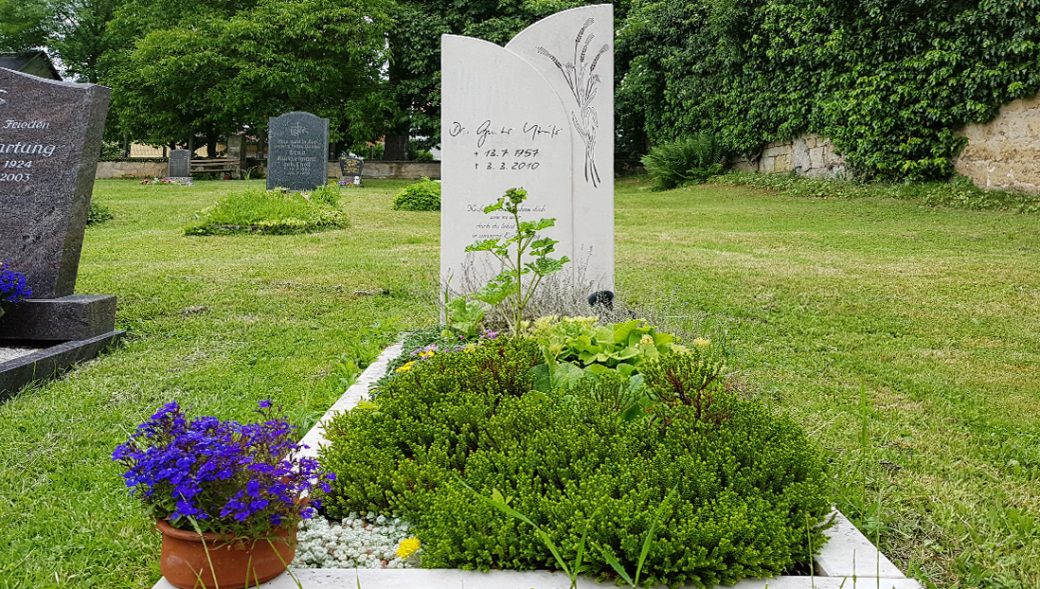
column 180, row 164
column 351, row 170
column 298, row 151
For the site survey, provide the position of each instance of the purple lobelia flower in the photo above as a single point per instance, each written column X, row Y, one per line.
column 14, row 286
column 223, row 476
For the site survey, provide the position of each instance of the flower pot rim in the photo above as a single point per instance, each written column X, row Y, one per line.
column 166, row 528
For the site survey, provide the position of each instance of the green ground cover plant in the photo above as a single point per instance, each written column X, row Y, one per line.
column 424, row 195
column 580, row 467
column 271, row 212
column 903, row 336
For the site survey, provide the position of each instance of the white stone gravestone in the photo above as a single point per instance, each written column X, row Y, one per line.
column 536, row 114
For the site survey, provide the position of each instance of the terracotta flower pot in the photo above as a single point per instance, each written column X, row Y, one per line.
column 236, row 563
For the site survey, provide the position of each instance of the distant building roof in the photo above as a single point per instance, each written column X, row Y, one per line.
column 36, row 63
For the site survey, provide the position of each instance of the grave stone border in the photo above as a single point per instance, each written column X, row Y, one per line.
column 848, row 560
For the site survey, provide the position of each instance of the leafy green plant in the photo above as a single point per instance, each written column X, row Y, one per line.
column 684, row 161
column 585, row 343
column 463, row 318
column 424, row 195
column 274, row 212
column 522, row 254
column 98, row 214
column 327, row 194
column 573, row 569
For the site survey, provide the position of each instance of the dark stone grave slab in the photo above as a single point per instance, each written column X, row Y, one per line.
column 50, row 138
column 351, row 170
column 298, row 151
column 52, row 361
column 180, row 164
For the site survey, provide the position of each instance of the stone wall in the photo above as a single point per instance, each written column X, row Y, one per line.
column 1005, row 153
column 808, row 155
column 373, row 169
column 395, row 170
column 106, row 170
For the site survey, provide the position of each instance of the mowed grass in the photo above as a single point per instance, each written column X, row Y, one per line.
column 905, row 337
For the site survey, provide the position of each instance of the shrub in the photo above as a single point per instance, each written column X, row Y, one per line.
column 274, row 212
column 693, row 159
column 424, row 195
column 743, row 489
column 98, row 214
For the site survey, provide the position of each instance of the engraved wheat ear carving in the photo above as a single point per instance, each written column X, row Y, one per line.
column 583, row 81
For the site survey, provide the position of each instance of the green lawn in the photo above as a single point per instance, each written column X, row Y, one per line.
column 907, row 338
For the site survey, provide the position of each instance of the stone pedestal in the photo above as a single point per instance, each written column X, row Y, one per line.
column 75, row 317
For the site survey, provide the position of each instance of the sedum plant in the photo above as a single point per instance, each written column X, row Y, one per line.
column 526, row 259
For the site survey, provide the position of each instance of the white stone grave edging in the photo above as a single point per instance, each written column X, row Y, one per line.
column 848, row 561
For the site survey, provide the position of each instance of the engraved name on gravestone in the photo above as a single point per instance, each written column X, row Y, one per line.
column 180, row 163
column 536, row 114
column 298, row 151
column 50, row 138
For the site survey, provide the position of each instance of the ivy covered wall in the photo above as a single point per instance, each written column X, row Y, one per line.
column 890, row 82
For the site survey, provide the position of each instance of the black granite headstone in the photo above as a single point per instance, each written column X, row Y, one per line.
column 50, row 138
column 298, row 151
column 180, row 163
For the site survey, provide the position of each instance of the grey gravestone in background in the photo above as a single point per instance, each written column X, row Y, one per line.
column 180, row 164
column 50, row 137
column 236, row 149
column 298, row 151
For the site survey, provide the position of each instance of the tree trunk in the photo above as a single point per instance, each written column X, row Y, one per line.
column 395, row 147
column 211, row 143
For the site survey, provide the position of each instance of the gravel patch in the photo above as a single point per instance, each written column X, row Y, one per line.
column 355, row 542
column 12, row 353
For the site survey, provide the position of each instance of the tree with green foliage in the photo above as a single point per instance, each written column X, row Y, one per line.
column 72, row 30
column 24, row 25
column 889, row 81
column 415, row 49
column 183, row 68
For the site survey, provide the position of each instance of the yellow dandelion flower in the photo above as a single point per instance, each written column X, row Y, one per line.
column 408, row 547
column 406, row 367
column 426, row 354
